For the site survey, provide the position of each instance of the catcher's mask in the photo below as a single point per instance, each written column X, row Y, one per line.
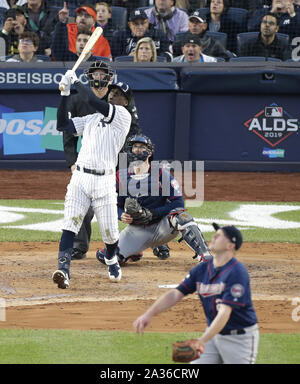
column 105, row 68
column 141, row 156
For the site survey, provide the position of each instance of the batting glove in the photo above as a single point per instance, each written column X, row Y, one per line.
column 72, row 76
column 65, row 84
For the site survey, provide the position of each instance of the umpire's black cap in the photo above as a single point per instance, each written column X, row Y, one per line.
column 232, row 233
column 124, row 88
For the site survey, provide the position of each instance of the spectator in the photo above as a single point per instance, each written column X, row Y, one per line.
column 103, row 13
column 267, row 44
column 62, row 53
column 219, row 20
column 11, row 3
column 198, row 27
column 104, row 20
column 124, row 42
column 288, row 17
column 14, row 25
column 296, row 5
column 145, row 51
column 7, row 4
column 41, row 19
column 129, row 4
column 192, row 51
column 67, row 32
column 167, row 18
column 190, row 5
column 28, row 46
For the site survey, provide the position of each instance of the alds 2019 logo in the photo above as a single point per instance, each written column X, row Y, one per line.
column 273, row 124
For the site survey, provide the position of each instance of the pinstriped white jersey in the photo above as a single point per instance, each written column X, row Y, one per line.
column 102, row 137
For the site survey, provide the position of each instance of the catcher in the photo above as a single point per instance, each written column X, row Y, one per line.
column 223, row 286
column 152, row 205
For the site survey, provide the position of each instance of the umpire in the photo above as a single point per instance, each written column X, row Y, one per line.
column 79, row 107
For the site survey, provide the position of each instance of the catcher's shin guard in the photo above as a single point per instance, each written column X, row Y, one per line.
column 183, row 222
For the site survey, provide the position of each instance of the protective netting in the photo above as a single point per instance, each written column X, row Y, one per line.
column 151, row 30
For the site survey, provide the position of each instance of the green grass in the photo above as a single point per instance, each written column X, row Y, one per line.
column 207, row 212
column 103, row 347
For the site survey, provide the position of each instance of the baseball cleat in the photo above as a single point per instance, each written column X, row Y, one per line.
column 61, row 279
column 100, row 255
column 114, row 269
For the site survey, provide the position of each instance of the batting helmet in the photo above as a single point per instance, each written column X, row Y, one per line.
column 124, row 88
column 105, row 68
column 142, row 156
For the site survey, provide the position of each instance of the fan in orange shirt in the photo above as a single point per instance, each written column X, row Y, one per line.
column 86, row 17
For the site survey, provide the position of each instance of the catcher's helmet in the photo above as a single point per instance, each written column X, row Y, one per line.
column 104, row 67
column 142, row 156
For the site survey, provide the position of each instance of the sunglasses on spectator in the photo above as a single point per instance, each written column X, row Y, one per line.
column 27, row 42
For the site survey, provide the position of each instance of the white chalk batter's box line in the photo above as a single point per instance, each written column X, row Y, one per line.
column 246, row 216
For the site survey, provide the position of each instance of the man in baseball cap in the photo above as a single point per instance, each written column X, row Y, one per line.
column 196, row 17
column 138, row 14
column 124, row 41
column 86, row 10
column 198, row 26
column 65, row 32
column 232, row 233
column 191, row 48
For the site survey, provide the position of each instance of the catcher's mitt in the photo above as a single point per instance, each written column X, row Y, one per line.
column 187, row 350
column 140, row 215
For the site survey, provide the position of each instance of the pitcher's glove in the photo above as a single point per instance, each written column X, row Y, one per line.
column 187, row 350
column 139, row 214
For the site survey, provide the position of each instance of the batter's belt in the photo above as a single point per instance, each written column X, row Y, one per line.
column 96, row 172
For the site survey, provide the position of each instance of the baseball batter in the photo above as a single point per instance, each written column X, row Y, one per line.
column 161, row 215
column 223, row 287
column 118, row 94
column 93, row 180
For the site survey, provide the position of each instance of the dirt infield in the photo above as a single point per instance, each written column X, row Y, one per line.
column 92, row 302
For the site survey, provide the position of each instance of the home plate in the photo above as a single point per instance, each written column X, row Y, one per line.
column 168, row 286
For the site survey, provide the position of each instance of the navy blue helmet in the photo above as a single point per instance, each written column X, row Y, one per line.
column 142, row 156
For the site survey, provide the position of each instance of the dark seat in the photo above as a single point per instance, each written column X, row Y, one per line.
column 102, row 58
column 2, row 16
column 240, row 15
column 119, row 17
column 220, row 36
column 161, row 59
column 247, row 37
column 41, row 57
column 253, row 58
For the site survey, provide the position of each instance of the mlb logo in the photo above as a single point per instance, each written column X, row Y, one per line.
column 273, row 111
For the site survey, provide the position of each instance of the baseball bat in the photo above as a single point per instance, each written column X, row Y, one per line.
column 86, row 50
